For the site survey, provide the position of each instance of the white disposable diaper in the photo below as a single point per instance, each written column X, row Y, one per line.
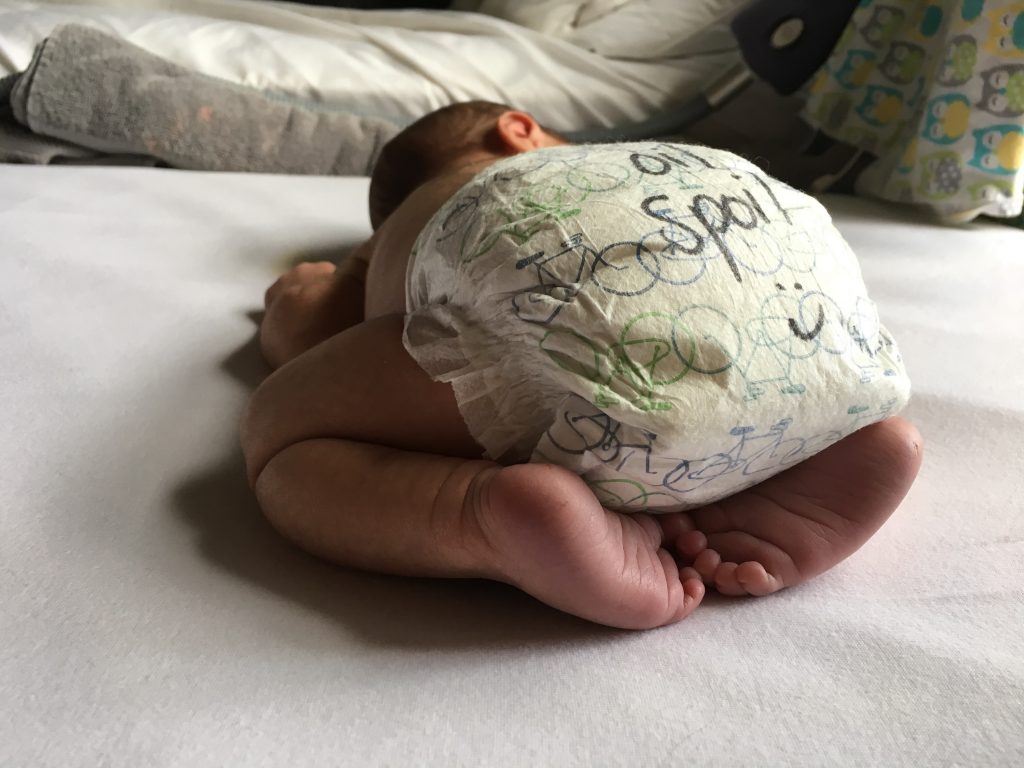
column 663, row 319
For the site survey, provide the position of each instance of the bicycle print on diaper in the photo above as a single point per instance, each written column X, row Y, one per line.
column 674, row 294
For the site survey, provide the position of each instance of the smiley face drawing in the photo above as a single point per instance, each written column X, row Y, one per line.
column 794, row 325
column 798, row 326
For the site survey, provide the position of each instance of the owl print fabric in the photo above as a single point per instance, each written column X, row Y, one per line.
column 935, row 90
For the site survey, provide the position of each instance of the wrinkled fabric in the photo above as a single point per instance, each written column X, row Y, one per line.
column 934, row 89
column 400, row 65
column 663, row 319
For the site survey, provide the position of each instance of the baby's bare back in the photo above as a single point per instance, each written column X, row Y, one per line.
column 389, row 249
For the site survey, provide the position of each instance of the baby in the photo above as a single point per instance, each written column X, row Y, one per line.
column 607, row 375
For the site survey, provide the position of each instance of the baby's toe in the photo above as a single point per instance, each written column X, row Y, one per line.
column 706, row 564
column 691, row 543
column 688, row 573
column 675, row 525
column 693, row 589
column 726, row 582
column 753, row 577
column 685, row 591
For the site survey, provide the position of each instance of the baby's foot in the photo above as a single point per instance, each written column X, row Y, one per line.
column 549, row 536
column 807, row 519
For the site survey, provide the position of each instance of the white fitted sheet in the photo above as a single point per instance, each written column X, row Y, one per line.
column 149, row 616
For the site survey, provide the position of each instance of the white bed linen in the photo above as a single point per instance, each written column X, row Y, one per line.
column 403, row 64
column 149, row 617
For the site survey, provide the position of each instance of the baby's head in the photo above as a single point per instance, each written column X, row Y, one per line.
column 459, row 134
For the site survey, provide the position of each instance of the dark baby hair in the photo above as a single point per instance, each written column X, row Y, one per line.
column 421, row 150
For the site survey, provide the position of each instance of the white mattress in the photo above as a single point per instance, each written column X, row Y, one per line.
column 149, row 617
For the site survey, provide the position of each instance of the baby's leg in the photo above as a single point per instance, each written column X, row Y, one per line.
column 537, row 527
column 341, row 448
column 338, row 446
column 807, row 519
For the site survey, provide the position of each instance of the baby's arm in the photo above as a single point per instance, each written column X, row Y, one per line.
column 311, row 303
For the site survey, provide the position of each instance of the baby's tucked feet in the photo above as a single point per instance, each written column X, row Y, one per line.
column 550, row 537
column 546, row 533
column 807, row 519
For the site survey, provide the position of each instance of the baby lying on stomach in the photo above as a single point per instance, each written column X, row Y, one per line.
column 605, row 374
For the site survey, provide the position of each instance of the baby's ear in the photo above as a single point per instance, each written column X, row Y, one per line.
column 519, row 132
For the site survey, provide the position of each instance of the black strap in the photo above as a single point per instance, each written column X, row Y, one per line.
column 786, row 41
